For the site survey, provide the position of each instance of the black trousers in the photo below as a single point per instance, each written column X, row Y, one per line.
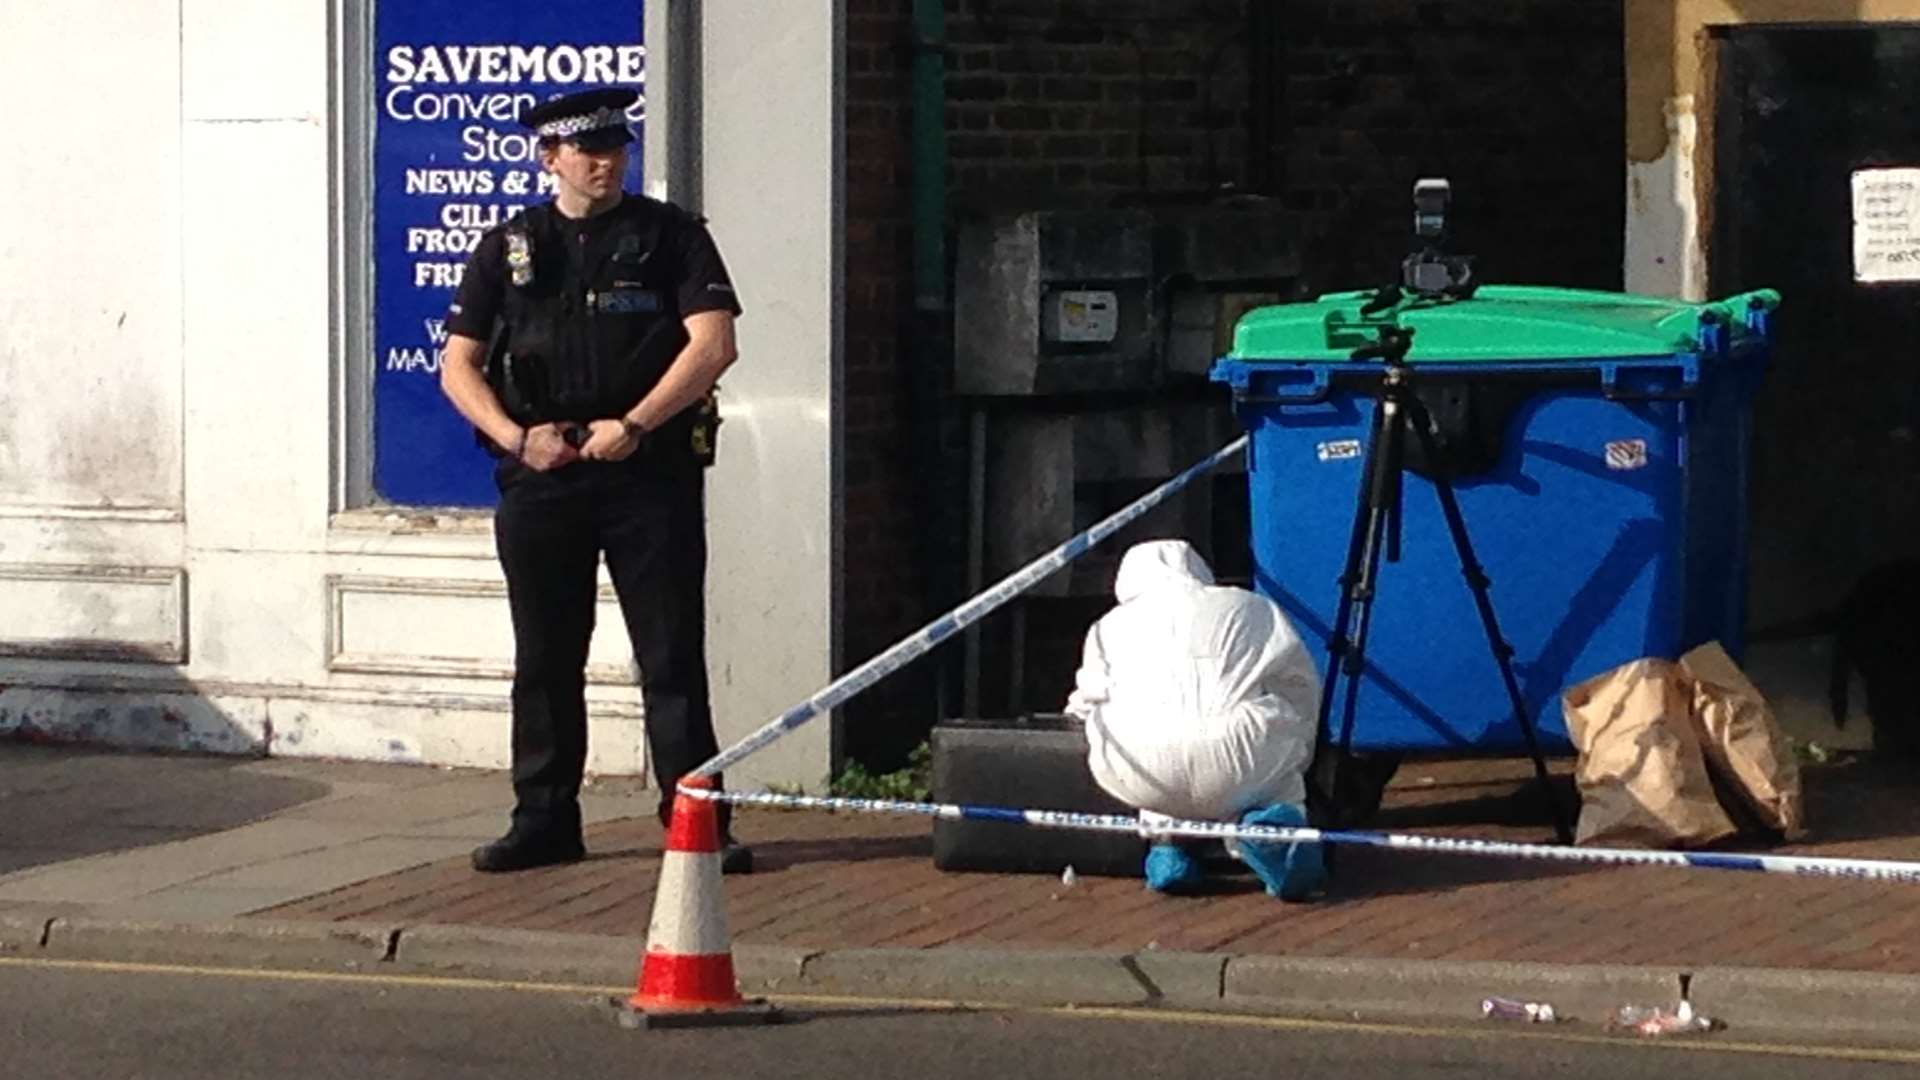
column 551, row 530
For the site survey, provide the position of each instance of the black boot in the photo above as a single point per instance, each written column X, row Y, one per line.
column 523, row 850
column 735, row 857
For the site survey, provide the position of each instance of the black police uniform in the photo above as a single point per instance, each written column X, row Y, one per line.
column 584, row 316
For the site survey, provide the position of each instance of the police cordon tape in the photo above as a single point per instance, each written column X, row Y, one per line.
column 1798, row 865
column 921, row 641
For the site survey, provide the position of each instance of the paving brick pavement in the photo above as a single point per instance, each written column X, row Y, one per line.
column 834, row 881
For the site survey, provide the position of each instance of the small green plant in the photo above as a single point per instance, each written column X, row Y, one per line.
column 913, row 783
column 1811, row 753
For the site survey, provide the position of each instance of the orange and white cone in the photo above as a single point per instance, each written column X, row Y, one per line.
column 686, row 972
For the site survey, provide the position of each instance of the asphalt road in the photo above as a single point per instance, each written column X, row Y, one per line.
column 65, row 1020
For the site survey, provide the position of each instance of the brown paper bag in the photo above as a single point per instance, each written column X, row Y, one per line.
column 1743, row 742
column 1643, row 779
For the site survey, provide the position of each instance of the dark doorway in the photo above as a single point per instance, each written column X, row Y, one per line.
column 1797, row 113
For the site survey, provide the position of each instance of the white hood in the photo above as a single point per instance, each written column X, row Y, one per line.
column 1160, row 564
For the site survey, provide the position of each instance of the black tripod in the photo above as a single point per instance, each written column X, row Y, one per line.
column 1376, row 527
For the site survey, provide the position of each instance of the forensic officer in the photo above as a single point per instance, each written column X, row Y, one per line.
column 1200, row 702
column 583, row 345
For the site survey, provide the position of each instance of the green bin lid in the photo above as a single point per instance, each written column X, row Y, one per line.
column 1499, row 322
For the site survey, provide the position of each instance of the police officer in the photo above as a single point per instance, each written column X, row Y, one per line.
column 583, row 345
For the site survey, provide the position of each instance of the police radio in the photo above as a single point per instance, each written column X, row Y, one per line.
column 705, row 438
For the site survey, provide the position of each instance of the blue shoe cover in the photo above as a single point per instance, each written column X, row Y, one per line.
column 1292, row 872
column 1171, row 869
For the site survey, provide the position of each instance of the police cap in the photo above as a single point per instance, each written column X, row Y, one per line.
column 592, row 119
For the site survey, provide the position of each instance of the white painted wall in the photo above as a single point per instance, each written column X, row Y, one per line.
column 89, row 261
column 175, row 570
column 770, row 183
column 1665, row 255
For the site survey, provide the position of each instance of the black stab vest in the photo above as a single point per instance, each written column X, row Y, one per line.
column 586, row 339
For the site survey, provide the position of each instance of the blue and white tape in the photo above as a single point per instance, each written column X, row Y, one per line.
column 918, row 643
column 1799, row 865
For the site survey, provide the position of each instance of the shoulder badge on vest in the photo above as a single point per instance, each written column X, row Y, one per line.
column 520, row 257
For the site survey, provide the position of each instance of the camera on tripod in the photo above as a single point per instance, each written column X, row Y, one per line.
column 1431, row 271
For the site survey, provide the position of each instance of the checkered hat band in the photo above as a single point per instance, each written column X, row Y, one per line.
column 569, row 126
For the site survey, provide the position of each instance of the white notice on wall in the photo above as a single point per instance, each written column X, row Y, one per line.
column 1886, row 225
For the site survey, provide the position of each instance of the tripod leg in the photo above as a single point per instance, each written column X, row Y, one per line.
column 1337, row 643
column 1353, row 667
column 1478, row 582
column 1378, row 507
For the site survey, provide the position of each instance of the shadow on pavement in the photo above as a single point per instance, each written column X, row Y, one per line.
column 771, row 855
column 780, row 854
column 1861, row 797
column 59, row 803
column 1853, row 798
column 816, row 1014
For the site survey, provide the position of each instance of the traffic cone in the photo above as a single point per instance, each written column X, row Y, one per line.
column 686, row 973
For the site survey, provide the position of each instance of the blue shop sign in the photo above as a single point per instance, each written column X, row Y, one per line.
column 451, row 161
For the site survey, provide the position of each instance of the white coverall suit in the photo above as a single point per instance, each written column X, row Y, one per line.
column 1200, row 702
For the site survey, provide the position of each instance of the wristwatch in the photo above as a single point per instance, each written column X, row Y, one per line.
column 633, row 428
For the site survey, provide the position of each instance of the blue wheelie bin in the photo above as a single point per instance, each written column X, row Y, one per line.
column 1598, row 444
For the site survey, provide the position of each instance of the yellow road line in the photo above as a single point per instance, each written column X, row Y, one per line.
column 1130, row 1013
column 279, row 975
column 442, row 982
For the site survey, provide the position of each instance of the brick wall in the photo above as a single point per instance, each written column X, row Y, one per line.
column 1051, row 102
column 884, row 590
column 1334, row 106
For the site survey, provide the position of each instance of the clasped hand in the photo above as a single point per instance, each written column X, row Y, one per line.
column 608, row 440
column 547, row 447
